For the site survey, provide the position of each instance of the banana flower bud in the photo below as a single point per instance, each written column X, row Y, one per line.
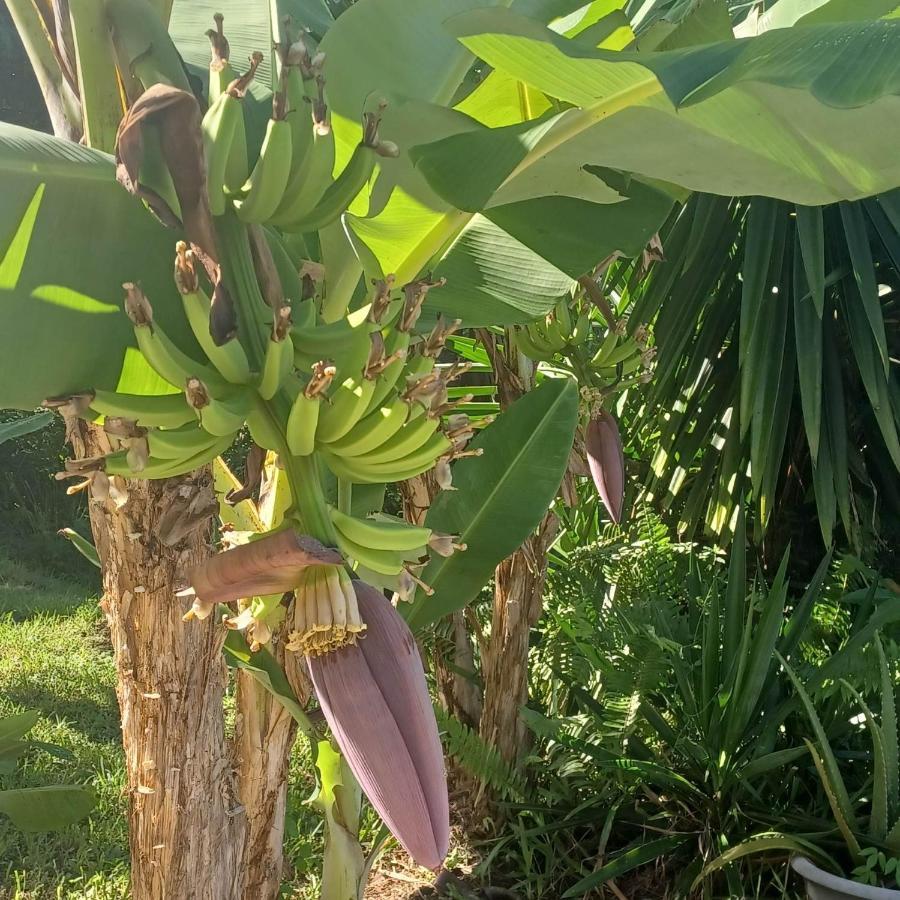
column 603, row 446
column 376, row 702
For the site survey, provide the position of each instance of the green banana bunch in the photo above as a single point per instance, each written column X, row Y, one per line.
column 311, row 171
column 121, row 462
column 338, row 196
column 621, row 354
column 229, row 358
column 362, row 470
column 388, row 547
column 301, row 71
column 543, row 340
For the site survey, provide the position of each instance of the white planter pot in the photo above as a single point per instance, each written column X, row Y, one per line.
column 822, row 885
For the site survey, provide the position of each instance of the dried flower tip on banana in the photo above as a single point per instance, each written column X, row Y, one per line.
column 459, row 430
column 325, row 612
column 382, row 298
column 137, row 306
column 218, row 43
column 239, row 87
column 323, row 373
column 321, row 125
column 414, row 294
column 73, row 406
column 437, row 337
column 443, row 474
column 422, row 388
column 281, row 325
column 378, row 360
column 186, row 279
column 445, row 544
column 196, row 393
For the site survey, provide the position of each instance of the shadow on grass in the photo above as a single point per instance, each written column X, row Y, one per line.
column 26, row 592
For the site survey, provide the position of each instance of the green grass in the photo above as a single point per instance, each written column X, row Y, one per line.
column 54, row 658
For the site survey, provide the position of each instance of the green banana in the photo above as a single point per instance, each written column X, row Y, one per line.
column 264, row 188
column 564, row 317
column 277, row 365
column 378, row 534
column 229, row 358
column 263, row 430
column 345, row 407
column 302, row 424
column 315, row 175
column 179, row 443
column 409, row 438
column 302, row 134
column 219, row 127
column 164, row 410
column 117, row 463
column 582, row 328
column 373, row 430
column 384, row 562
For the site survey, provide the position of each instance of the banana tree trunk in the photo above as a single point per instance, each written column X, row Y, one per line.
column 186, row 823
column 518, row 593
column 265, row 735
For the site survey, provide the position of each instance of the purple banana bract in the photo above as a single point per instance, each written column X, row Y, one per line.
column 603, row 445
column 375, row 699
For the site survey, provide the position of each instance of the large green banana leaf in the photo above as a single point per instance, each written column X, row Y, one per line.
column 500, row 497
column 514, row 262
column 790, row 114
column 70, row 235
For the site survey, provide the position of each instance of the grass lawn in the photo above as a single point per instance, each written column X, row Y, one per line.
column 54, row 658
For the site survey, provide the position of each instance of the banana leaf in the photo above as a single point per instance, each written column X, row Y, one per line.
column 789, row 114
column 70, row 235
column 500, row 496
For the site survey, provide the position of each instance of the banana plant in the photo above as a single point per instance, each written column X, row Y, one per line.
column 363, row 166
